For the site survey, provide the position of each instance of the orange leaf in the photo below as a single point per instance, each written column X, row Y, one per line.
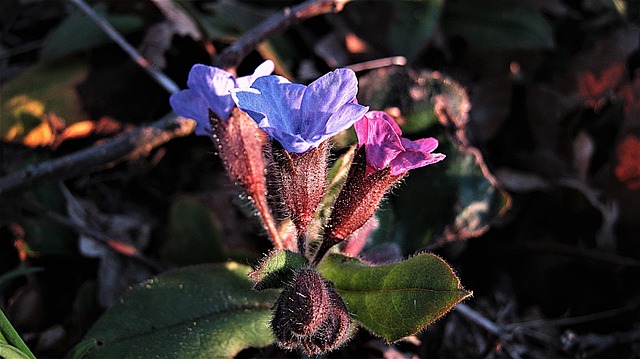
column 77, row 130
column 42, row 135
column 595, row 89
column 628, row 169
column 123, row 248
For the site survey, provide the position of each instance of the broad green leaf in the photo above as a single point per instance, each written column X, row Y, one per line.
column 498, row 25
column 195, row 234
column 32, row 101
column 12, row 345
column 277, row 268
column 80, row 33
column 202, row 311
column 396, row 300
column 462, row 201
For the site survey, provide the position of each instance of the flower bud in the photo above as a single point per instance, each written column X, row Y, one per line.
column 301, row 308
column 240, row 144
column 334, row 330
column 303, row 180
column 310, row 315
column 356, row 203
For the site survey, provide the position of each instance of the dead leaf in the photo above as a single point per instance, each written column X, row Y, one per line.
column 627, row 170
column 596, row 88
column 40, row 136
column 630, row 94
column 76, row 130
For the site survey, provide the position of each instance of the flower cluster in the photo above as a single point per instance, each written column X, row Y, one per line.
column 286, row 177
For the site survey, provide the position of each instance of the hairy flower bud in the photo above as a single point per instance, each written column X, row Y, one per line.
column 310, row 315
column 301, row 308
column 356, row 203
column 303, row 180
column 240, row 145
column 334, row 330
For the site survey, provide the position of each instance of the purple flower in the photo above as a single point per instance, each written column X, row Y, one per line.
column 301, row 117
column 209, row 89
column 384, row 147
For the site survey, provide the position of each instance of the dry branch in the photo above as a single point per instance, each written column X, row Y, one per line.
column 145, row 138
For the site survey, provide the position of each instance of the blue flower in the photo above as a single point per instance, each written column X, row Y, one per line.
column 209, row 89
column 302, row 117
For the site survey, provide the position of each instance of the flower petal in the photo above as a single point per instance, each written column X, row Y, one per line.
column 411, row 159
column 344, row 117
column 265, row 69
column 323, row 97
column 190, row 104
column 423, row 144
column 213, row 84
column 273, row 97
column 290, row 142
column 377, row 134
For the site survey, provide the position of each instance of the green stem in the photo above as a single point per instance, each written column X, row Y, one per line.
column 12, row 337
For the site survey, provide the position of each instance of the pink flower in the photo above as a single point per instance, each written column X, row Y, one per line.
column 380, row 136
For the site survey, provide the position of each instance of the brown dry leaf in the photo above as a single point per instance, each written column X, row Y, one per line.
column 42, row 135
column 627, row 170
column 596, row 88
column 630, row 94
column 76, row 130
column 600, row 70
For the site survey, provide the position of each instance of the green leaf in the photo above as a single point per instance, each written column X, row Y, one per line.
column 195, row 235
column 277, row 268
column 13, row 346
column 396, row 300
column 203, row 311
column 11, row 352
column 498, row 25
column 462, row 201
column 80, row 33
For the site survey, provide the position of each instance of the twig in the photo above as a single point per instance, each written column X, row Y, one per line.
column 144, row 139
column 479, row 319
column 379, row 63
column 561, row 322
column 130, row 145
column 231, row 56
column 156, row 74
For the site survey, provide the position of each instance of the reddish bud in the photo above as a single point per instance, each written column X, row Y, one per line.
column 357, row 201
column 310, row 315
column 303, row 180
column 240, row 145
column 334, row 330
column 301, row 308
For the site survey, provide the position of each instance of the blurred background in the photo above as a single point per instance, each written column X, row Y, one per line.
column 536, row 104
